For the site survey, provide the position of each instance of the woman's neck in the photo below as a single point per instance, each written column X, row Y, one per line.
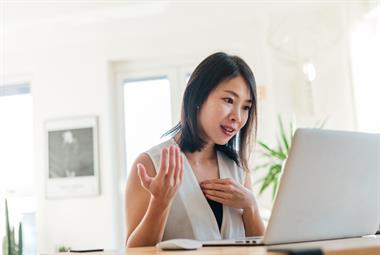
column 206, row 154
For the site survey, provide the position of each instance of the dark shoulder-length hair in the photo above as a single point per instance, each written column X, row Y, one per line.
column 213, row 70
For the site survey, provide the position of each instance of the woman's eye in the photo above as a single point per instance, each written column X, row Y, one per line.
column 228, row 100
column 247, row 108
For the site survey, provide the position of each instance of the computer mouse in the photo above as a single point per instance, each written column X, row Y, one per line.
column 179, row 244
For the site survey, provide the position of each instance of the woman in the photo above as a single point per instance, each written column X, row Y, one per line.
column 197, row 184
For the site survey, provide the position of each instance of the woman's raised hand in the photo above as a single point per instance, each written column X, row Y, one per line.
column 165, row 184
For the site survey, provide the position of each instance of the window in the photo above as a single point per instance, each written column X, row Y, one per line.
column 365, row 52
column 148, row 104
column 16, row 164
column 147, row 114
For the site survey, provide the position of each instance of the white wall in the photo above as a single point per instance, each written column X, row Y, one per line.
column 67, row 60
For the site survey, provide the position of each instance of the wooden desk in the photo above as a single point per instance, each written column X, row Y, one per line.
column 349, row 246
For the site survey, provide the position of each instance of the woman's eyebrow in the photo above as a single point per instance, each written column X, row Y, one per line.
column 236, row 95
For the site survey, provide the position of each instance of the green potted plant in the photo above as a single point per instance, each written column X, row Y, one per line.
column 63, row 248
column 275, row 157
column 10, row 247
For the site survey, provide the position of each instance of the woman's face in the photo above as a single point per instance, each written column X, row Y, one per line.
column 225, row 111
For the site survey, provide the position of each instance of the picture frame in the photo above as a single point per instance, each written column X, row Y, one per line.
column 72, row 153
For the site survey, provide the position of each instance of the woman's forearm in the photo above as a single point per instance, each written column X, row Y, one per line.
column 253, row 223
column 151, row 228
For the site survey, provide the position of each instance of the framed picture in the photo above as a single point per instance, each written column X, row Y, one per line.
column 72, row 157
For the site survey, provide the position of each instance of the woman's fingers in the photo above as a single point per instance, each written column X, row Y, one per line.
column 181, row 167
column 228, row 192
column 171, row 167
column 176, row 176
column 217, row 186
column 219, row 194
column 164, row 163
column 219, row 181
column 217, row 199
column 164, row 185
column 226, row 185
column 144, row 178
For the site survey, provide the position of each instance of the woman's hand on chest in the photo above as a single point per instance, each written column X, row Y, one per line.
column 228, row 192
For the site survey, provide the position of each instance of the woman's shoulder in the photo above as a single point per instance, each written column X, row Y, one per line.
column 151, row 157
column 156, row 149
column 154, row 153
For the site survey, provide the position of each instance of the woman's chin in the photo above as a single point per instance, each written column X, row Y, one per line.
column 222, row 141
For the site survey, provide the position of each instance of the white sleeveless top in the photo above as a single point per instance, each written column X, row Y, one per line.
column 190, row 215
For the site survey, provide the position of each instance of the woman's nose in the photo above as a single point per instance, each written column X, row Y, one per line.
column 235, row 115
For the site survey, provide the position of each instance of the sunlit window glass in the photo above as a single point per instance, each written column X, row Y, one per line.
column 147, row 114
column 17, row 182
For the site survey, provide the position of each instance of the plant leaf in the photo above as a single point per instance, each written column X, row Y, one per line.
column 282, row 132
column 8, row 229
column 258, row 167
column 266, row 183
column 19, row 250
column 322, row 124
column 279, row 145
column 278, row 154
column 291, row 133
column 272, row 175
column 264, row 186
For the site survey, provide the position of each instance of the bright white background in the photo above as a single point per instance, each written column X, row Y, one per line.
column 70, row 54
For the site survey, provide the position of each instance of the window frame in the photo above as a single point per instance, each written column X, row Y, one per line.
column 139, row 69
column 143, row 70
column 17, row 86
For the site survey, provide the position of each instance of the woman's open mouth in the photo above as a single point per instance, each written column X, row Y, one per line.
column 228, row 131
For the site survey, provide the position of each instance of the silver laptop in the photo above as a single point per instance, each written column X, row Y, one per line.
column 330, row 189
